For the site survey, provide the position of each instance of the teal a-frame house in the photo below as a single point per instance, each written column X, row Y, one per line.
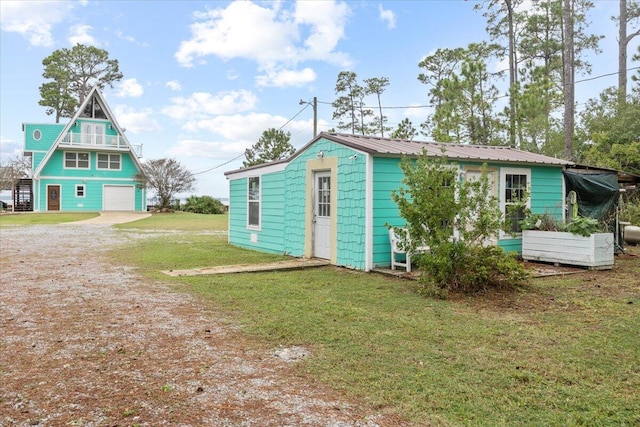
column 332, row 198
column 87, row 164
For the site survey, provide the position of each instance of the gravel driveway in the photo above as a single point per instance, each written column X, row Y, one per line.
column 88, row 343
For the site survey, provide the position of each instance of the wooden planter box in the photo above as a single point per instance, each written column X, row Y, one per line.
column 559, row 247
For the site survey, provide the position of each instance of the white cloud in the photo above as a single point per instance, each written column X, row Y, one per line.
column 204, row 149
column 80, row 34
column 327, row 20
column 387, row 16
column 242, row 30
column 174, row 85
column 284, row 78
column 237, row 127
column 130, row 88
column 34, row 20
column 129, row 38
column 270, row 35
column 136, row 121
column 204, row 104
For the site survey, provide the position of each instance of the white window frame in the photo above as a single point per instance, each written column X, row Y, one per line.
column 77, row 153
column 503, row 202
column 84, row 191
column 93, row 133
column 109, row 155
column 258, row 202
column 37, row 132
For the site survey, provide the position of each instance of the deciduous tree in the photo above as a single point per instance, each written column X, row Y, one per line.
column 166, row 178
column 12, row 171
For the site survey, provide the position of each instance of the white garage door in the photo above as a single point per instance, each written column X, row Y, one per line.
column 119, row 198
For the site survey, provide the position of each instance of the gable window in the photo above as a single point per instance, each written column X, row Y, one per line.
column 80, row 190
column 108, row 161
column 75, row 160
column 37, row 135
column 94, row 109
column 253, row 202
column 514, row 183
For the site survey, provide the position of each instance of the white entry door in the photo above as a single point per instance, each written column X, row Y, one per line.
column 322, row 215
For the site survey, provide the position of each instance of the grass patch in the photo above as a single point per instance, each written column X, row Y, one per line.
column 562, row 351
column 184, row 221
column 30, row 218
column 468, row 362
column 187, row 250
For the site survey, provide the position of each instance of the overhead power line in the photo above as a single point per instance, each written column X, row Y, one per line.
column 307, row 104
column 242, row 154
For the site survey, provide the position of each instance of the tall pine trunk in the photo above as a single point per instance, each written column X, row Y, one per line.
column 568, row 77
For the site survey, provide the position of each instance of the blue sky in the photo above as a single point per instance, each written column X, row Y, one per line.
column 204, row 79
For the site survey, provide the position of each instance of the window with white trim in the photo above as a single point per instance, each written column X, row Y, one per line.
column 93, row 133
column 253, row 202
column 108, row 161
column 514, row 186
column 80, row 191
column 76, row 160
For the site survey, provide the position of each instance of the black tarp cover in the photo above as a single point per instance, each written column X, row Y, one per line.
column 597, row 193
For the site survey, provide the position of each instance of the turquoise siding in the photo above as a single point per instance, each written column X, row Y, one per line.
column 546, row 191
column 546, row 196
column 284, row 204
column 238, row 233
column 350, row 220
column 40, row 148
column 387, row 176
column 37, row 158
column 55, row 166
column 270, row 236
column 54, row 173
column 351, row 210
column 91, row 202
column 48, row 162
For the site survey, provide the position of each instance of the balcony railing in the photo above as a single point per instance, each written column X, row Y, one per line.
column 99, row 141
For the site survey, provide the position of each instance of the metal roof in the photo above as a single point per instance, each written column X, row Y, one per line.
column 399, row 147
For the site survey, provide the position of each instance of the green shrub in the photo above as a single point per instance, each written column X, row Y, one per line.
column 458, row 267
column 435, row 203
column 204, row 205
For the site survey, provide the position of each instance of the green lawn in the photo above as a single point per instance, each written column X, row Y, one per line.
column 184, row 221
column 560, row 352
column 33, row 218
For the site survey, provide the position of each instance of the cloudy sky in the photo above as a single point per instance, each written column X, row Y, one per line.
column 204, row 79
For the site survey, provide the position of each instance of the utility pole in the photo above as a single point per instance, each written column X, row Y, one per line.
column 314, row 104
column 315, row 116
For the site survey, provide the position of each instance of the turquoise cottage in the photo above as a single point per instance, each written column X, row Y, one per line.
column 332, row 198
column 87, row 164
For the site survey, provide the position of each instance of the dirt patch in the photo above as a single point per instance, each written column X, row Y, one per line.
column 85, row 342
column 564, row 288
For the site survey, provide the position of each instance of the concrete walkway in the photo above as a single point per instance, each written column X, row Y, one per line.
column 115, row 217
column 294, row 264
